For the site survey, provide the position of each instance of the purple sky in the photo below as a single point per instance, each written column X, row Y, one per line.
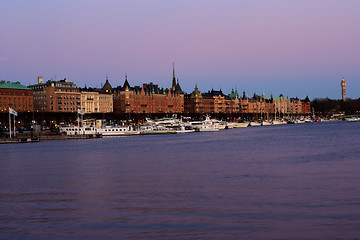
column 297, row 47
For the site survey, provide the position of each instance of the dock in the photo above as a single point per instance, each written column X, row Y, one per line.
column 29, row 139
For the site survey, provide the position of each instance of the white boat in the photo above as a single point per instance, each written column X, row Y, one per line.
column 300, row 121
column 166, row 121
column 278, row 122
column 204, row 126
column 117, row 131
column 76, row 130
column 230, row 125
column 208, row 128
column 183, row 129
column 352, row 119
column 255, row 124
column 222, row 125
column 241, row 124
column 155, row 129
column 266, row 123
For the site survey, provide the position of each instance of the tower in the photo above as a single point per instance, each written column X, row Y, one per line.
column 173, row 80
column 343, row 93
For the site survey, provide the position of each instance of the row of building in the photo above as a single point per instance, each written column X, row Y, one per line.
column 65, row 96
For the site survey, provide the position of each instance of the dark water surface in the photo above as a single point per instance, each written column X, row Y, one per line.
column 275, row 182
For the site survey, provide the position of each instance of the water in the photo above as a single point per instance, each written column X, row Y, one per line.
column 276, row 182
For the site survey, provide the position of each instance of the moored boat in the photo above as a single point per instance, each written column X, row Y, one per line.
column 266, row 123
column 352, row 119
column 76, row 130
column 154, row 129
column 241, row 124
column 278, row 122
column 255, row 124
column 110, row 131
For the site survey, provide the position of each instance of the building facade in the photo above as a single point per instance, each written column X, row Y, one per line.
column 149, row 98
column 95, row 100
column 15, row 96
column 211, row 102
column 56, row 96
column 259, row 107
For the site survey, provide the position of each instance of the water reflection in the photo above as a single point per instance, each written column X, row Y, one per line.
column 278, row 182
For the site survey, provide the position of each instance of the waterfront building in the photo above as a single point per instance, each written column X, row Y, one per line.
column 89, row 101
column 211, row 102
column 15, row 96
column 149, row 98
column 306, row 109
column 95, row 100
column 259, row 107
column 343, row 92
column 282, row 106
column 56, row 96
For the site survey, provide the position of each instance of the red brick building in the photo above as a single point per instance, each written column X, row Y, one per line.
column 149, row 98
column 306, row 109
column 211, row 102
column 15, row 96
column 56, row 96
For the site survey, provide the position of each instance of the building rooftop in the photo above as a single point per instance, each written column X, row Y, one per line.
column 13, row 85
column 48, row 83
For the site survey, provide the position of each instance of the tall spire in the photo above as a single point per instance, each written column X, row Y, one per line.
column 173, row 80
column 126, row 83
column 173, row 70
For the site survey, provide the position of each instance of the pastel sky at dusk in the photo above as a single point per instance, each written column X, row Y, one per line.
column 293, row 47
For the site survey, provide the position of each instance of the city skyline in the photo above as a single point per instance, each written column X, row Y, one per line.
column 297, row 48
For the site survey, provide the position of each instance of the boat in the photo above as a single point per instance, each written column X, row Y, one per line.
column 208, row 125
column 352, row 119
column 300, row 121
column 230, row 125
column 182, row 129
column 222, row 125
column 291, row 121
column 110, row 131
column 266, row 123
column 255, row 124
column 76, row 130
column 155, row 129
column 278, row 122
column 241, row 124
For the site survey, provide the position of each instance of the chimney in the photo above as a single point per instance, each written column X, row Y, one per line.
column 40, row 80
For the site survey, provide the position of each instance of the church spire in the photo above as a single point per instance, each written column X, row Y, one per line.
column 126, row 83
column 173, row 80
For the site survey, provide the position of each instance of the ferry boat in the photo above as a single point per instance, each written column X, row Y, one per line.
column 109, row 131
column 76, row 130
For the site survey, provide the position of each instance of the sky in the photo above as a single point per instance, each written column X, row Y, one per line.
column 297, row 48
